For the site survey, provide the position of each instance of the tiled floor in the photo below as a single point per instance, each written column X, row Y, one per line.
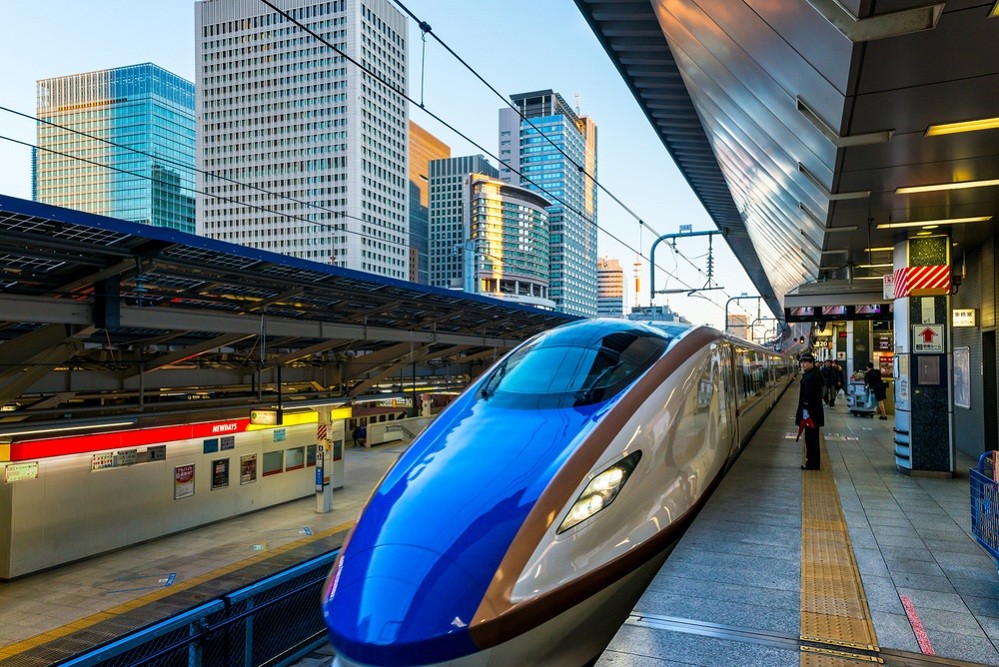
column 730, row 592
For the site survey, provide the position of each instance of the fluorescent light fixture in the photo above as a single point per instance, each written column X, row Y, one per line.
column 886, row 248
column 939, row 187
column 874, row 266
column 834, row 230
column 925, row 223
column 63, row 429
column 966, row 125
column 836, row 251
column 924, row 233
column 930, row 226
column 995, row 11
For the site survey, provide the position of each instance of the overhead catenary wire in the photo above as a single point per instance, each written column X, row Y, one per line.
column 425, row 29
column 402, row 94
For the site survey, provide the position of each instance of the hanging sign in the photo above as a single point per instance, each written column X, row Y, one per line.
column 15, row 472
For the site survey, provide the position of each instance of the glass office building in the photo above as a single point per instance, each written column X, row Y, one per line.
column 304, row 153
column 561, row 167
column 118, row 142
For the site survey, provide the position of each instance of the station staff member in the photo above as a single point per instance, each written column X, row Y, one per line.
column 810, row 406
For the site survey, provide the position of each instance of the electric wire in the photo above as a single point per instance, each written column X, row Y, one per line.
column 402, row 94
column 186, row 167
column 426, row 29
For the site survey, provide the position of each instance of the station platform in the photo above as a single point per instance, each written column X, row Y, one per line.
column 853, row 564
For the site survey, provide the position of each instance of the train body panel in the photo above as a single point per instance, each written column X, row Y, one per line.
column 511, row 529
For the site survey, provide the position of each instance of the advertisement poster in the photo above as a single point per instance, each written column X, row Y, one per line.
column 183, row 481
column 220, row 473
column 248, row 469
column 962, row 377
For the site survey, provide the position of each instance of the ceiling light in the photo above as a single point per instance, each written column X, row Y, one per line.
column 930, row 226
column 873, row 266
column 924, row 233
column 961, row 185
column 835, row 251
column 995, row 11
column 963, row 126
column 924, row 223
column 886, row 248
column 833, row 230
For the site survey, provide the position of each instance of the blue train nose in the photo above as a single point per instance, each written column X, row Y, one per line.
column 392, row 602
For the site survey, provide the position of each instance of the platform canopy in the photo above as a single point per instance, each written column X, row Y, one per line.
column 798, row 124
column 91, row 307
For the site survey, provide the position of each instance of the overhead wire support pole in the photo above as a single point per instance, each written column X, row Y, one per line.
column 652, row 262
column 737, row 298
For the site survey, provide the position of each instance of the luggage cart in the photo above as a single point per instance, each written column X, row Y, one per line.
column 985, row 505
column 860, row 401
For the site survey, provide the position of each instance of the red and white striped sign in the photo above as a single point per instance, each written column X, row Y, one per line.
column 322, row 431
column 922, row 281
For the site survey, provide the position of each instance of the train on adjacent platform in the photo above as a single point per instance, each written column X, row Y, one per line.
column 523, row 525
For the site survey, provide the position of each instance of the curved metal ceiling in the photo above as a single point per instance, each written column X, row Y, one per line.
column 796, row 121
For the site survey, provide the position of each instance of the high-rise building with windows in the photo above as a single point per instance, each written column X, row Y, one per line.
column 307, row 153
column 554, row 152
column 610, row 288
column 118, row 142
column 423, row 147
column 507, row 256
column 448, row 224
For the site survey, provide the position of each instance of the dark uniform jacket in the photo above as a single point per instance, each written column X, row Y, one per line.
column 810, row 397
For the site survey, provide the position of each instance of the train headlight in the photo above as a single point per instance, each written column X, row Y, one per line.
column 601, row 491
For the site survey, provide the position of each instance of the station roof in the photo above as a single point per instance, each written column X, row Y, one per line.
column 76, row 287
column 795, row 123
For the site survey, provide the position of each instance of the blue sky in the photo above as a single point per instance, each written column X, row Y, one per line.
column 516, row 45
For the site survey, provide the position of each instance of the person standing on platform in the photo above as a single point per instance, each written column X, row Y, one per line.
column 872, row 378
column 829, row 376
column 840, row 379
column 810, row 408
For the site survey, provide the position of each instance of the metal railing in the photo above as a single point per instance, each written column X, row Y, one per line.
column 275, row 621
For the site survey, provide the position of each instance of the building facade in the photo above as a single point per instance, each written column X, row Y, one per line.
column 610, row 288
column 118, row 142
column 561, row 167
column 423, row 147
column 448, row 226
column 507, row 256
column 306, row 153
column 656, row 314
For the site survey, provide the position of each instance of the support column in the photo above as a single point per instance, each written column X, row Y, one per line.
column 924, row 443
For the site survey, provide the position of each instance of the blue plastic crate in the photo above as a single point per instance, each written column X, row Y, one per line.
column 985, row 505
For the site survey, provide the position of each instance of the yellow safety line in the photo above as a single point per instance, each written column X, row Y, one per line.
column 833, row 606
column 57, row 633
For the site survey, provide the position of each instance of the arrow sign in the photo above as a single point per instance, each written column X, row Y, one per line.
column 928, row 338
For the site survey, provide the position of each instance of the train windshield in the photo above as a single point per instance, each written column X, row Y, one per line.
column 559, row 371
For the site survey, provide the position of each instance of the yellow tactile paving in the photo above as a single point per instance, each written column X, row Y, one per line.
column 833, row 607
column 69, row 628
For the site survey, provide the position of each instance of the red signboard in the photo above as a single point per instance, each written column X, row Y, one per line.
column 79, row 444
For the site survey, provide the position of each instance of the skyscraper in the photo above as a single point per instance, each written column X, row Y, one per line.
column 448, row 225
column 508, row 253
column 118, row 142
column 317, row 146
column 423, row 147
column 561, row 168
column 610, row 288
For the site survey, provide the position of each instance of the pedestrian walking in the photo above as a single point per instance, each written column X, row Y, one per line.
column 810, row 415
column 872, row 378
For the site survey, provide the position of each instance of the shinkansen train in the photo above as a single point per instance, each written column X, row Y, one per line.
column 523, row 525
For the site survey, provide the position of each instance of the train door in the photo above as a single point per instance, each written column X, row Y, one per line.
column 726, row 369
